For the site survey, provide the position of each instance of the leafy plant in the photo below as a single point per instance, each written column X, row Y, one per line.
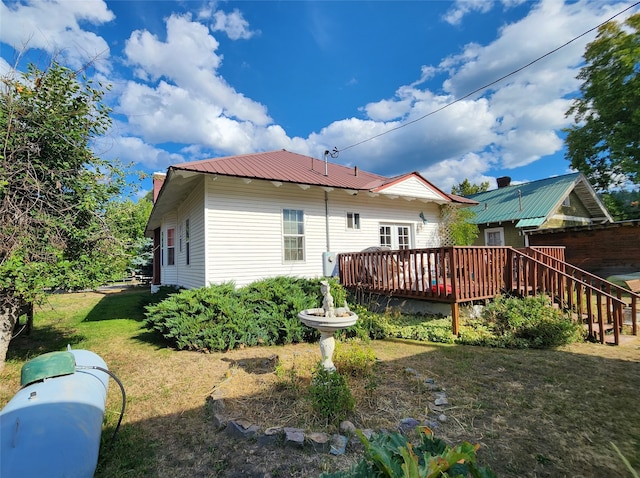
column 330, row 395
column 392, row 455
column 354, row 359
column 529, row 322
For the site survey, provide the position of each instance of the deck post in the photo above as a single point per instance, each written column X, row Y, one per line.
column 455, row 318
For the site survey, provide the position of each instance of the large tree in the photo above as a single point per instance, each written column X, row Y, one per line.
column 54, row 190
column 604, row 142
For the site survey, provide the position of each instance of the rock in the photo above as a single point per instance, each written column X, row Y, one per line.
column 441, row 401
column 338, row 444
column 432, row 387
column 347, row 427
column 242, row 429
column 442, row 418
column 429, row 380
column 431, row 424
column 271, row 437
column 367, row 432
column 408, row 424
column 434, row 408
column 293, row 437
column 411, row 371
column 320, row 442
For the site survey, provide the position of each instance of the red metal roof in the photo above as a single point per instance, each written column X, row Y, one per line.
column 289, row 167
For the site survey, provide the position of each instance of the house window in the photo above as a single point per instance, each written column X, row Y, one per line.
column 162, row 248
column 187, row 237
column 293, row 234
column 494, row 236
column 385, row 236
column 395, row 236
column 567, row 202
column 353, row 220
column 171, row 246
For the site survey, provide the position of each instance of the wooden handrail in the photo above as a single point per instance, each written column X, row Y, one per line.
column 563, row 291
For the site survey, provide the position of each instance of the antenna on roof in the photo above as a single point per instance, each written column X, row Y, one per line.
column 334, row 154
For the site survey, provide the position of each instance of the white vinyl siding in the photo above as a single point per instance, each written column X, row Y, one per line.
column 243, row 227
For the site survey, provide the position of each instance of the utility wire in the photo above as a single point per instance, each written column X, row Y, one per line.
column 336, row 150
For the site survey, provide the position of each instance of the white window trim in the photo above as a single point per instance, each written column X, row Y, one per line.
column 303, row 235
column 494, row 229
column 394, row 233
column 355, row 221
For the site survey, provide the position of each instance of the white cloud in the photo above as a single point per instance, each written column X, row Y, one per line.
column 450, row 172
column 184, row 100
column 130, row 149
column 233, row 24
column 461, row 7
column 54, row 26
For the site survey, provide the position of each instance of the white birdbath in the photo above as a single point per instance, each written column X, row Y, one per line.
column 327, row 320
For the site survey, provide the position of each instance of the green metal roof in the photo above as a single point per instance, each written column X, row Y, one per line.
column 529, row 203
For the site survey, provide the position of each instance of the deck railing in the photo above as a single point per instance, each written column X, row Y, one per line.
column 573, row 300
column 463, row 274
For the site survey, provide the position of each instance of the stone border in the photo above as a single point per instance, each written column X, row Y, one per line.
column 319, row 442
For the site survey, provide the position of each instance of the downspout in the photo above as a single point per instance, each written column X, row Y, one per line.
column 326, row 219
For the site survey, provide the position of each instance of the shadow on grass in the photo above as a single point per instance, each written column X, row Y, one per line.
column 41, row 340
column 129, row 304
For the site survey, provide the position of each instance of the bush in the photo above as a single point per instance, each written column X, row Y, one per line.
column 354, row 359
column 330, row 395
column 392, row 455
column 221, row 317
column 515, row 322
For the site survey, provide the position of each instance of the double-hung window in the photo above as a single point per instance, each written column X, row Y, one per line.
column 293, row 234
column 353, row 220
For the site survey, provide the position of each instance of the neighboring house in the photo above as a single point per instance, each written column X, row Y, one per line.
column 506, row 215
column 247, row 217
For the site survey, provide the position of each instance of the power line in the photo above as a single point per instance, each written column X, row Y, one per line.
column 336, row 150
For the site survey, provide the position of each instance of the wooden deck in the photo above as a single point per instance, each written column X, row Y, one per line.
column 457, row 275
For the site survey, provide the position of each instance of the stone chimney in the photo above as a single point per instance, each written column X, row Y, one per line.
column 158, row 181
column 503, row 181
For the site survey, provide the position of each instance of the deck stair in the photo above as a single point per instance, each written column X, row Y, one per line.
column 601, row 306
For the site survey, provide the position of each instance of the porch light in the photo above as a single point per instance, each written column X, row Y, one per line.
column 424, row 219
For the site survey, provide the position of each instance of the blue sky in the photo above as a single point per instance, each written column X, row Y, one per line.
column 193, row 80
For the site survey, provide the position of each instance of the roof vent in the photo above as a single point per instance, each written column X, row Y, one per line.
column 503, row 181
column 355, row 170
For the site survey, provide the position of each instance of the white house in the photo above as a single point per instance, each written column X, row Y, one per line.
column 244, row 218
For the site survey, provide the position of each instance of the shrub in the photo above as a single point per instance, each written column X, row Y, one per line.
column 330, row 395
column 221, row 317
column 520, row 323
column 354, row 359
column 392, row 455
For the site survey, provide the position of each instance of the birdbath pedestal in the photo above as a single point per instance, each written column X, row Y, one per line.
column 327, row 320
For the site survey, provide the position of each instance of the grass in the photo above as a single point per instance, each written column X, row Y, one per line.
column 534, row 412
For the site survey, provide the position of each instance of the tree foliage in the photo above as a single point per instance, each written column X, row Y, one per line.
column 623, row 205
column 604, row 142
column 457, row 227
column 465, row 188
column 54, row 191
